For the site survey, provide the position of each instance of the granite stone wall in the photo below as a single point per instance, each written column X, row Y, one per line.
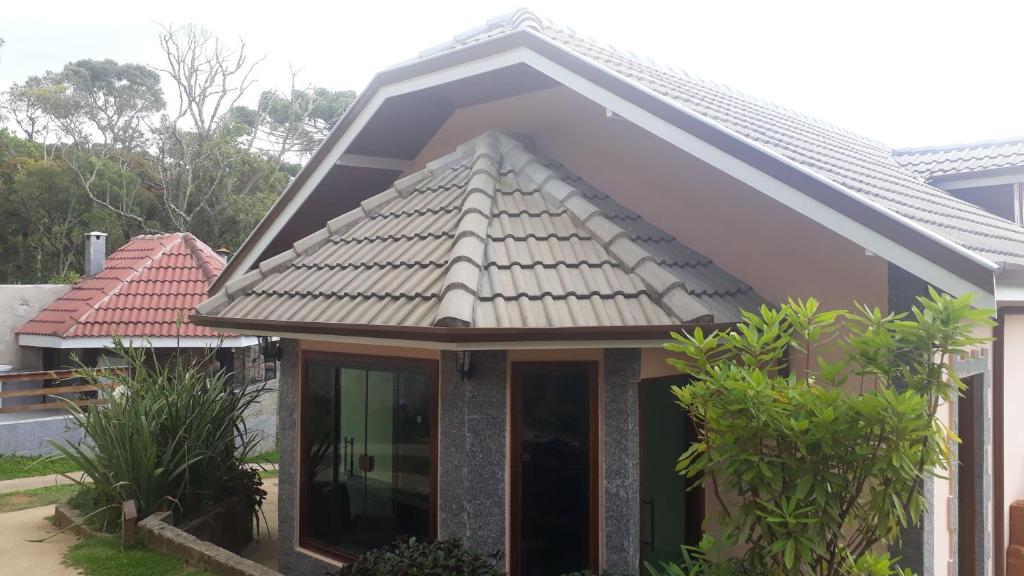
column 620, row 449
column 291, row 560
column 473, row 424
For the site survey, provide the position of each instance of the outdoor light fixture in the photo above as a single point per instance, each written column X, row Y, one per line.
column 464, row 364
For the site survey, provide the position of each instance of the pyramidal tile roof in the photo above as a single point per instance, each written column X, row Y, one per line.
column 145, row 288
column 860, row 165
column 937, row 161
column 490, row 236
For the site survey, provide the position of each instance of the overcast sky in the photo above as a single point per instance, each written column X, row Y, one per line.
column 906, row 73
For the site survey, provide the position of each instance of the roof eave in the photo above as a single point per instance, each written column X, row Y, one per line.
column 447, row 335
column 959, row 261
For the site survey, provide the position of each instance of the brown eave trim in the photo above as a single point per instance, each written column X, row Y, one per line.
column 822, row 191
column 455, row 334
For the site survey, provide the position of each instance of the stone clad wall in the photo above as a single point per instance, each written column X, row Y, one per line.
column 473, row 428
column 620, row 450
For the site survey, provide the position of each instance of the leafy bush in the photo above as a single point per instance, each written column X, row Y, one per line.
column 817, row 463
column 171, row 436
column 414, row 557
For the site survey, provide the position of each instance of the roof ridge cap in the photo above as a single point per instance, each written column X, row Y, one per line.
column 117, row 289
column 199, row 257
column 918, row 150
column 666, row 289
column 462, row 281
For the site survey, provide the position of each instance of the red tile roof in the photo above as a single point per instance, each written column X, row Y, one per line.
column 146, row 286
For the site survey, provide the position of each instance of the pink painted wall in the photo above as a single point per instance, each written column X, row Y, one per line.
column 776, row 250
column 1013, row 401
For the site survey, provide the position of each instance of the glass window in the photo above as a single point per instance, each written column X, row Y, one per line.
column 367, row 453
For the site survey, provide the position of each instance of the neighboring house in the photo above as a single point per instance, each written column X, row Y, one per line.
column 989, row 174
column 143, row 293
column 473, row 276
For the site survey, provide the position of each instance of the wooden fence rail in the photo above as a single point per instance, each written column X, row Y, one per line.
column 47, row 391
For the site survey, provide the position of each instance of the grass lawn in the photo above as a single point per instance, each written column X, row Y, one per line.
column 103, row 556
column 13, row 501
column 25, row 466
column 268, row 457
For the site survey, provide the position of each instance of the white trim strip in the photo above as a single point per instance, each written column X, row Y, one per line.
column 378, row 162
column 414, row 84
column 776, row 189
column 39, row 341
column 977, row 181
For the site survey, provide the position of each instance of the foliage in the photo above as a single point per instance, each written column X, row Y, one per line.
column 172, row 435
column 27, row 466
column 414, row 557
column 104, row 556
column 102, row 149
column 817, row 462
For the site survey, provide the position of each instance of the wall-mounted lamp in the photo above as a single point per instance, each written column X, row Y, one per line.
column 464, row 364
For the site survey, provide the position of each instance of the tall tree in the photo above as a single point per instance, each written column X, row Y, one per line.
column 195, row 145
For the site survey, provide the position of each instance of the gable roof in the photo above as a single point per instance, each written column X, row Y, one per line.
column 145, row 288
column 856, row 163
column 847, row 182
column 492, row 237
column 937, row 161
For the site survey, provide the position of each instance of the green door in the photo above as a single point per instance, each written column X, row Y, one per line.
column 670, row 513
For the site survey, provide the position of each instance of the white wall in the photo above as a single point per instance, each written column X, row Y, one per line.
column 18, row 304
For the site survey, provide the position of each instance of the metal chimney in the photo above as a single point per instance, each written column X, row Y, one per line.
column 95, row 252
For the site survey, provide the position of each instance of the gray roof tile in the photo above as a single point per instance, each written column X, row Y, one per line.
column 937, row 161
column 861, row 165
column 477, row 242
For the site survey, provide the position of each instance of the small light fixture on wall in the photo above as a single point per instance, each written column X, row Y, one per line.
column 464, row 364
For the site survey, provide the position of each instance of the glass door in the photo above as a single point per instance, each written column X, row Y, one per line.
column 554, row 514
column 367, row 431
column 671, row 508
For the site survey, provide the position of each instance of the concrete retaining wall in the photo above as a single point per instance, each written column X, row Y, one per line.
column 160, row 535
column 27, row 436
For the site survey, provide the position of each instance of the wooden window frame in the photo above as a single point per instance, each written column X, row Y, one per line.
column 430, row 368
column 593, row 456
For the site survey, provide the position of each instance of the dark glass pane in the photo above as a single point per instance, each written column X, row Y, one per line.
column 379, row 486
column 670, row 512
column 555, row 470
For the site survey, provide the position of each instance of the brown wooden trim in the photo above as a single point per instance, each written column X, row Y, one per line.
column 51, row 405
column 49, row 391
column 998, row 434
column 593, row 458
column 58, row 374
column 815, row 187
column 365, row 361
column 455, row 334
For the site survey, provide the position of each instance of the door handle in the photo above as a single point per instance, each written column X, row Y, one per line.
column 366, row 463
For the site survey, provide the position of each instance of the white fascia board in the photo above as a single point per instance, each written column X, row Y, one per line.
column 39, row 341
column 378, row 162
column 977, row 181
column 428, row 345
column 1010, row 288
column 414, row 84
column 753, row 177
column 780, row 191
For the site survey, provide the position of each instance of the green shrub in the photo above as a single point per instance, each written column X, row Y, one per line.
column 172, row 435
column 818, row 464
column 414, row 557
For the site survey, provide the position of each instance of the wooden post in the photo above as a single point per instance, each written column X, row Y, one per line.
column 1015, row 552
column 129, row 518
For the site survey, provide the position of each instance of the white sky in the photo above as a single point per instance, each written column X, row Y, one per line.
column 907, row 73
